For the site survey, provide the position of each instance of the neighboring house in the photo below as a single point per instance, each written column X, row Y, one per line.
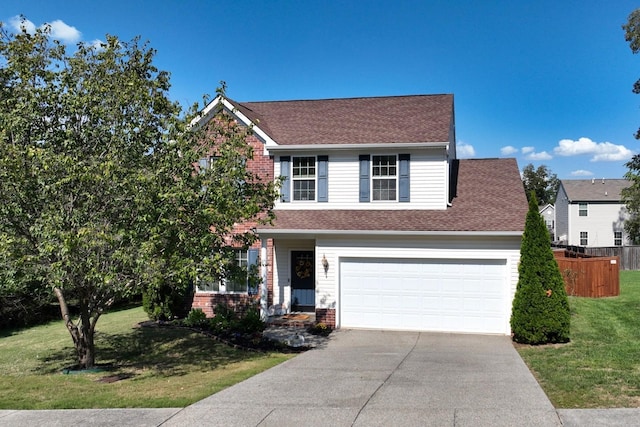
column 548, row 213
column 590, row 212
column 378, row 224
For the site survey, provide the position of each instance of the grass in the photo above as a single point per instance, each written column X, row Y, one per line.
column 600, row 367
column 149, row 367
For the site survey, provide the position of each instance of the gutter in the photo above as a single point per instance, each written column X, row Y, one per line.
column 367, row 146
column 267, row 232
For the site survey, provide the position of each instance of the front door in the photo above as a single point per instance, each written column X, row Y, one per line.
column 303, row 292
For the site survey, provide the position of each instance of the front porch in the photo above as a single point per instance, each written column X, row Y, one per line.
column 296, row 320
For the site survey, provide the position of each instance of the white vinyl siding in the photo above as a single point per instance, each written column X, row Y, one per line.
column 429, row 182
column 603, row 219
column 455, row 248
column 282, row 268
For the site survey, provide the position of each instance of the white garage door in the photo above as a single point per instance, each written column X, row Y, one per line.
column 424, row 295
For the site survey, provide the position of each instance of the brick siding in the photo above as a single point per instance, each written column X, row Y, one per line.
column 207, row 301
column 326, row 316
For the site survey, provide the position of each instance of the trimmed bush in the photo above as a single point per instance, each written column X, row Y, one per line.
column 540, row 312
column 224, row 320
column 251, row 323
column 166, row 301
column 196, row 318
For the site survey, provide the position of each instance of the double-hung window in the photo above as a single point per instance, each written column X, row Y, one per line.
column 584, row 238
column 237, row 276
column 582, row 209
column 617, row 238
column 236, row 281
column 384, row 177
column 304, row 178
column 206, row 163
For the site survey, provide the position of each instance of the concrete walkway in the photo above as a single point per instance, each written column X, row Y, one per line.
column 368, row 378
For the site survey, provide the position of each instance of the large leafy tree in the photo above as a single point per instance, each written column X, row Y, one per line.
column 632, row 35
column 540, row 311
column 98, row 190
column 631, row 194
column 542, row 182
column 195, row 213
column 631, row 198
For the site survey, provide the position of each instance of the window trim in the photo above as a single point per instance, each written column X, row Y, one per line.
column 306, row 178
column 240, row 255
column 583, row 207
column 584, row 236
column 221, row 284
column 205, row 163
column 616, row 238
column 373, row 177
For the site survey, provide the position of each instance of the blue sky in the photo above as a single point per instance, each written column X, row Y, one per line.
column 547, row 82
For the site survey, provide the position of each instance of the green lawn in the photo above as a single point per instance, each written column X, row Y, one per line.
column 160, row 367
column 600, row 367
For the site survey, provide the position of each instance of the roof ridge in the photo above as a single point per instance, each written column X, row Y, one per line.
column 347, row 98
column 596, row 179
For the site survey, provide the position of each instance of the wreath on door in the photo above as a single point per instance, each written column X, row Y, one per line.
column 303, row 268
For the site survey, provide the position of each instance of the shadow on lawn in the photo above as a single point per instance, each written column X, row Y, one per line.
column 166, row 351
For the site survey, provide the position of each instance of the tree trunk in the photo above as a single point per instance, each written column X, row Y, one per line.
column 82, row 334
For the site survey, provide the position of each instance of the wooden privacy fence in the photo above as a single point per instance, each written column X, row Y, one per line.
column 629, row 255
column 589, row 276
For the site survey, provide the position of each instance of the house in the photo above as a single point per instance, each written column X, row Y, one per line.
column 548, row 213
column 590, row 212
column 379, row 225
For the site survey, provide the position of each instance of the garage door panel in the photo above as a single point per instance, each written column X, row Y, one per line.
column 437, row 295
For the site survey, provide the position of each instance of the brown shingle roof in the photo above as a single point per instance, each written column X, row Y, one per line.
column 490, row 197
column 393, row 119
column 594, row 190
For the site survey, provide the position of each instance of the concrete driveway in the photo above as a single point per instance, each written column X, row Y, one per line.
column 375, row 378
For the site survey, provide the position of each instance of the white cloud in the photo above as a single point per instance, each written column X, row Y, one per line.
column 17, row 24
column 543, row 155
column 600, row 151
column 64, row 32
column 59, row 30
column 530, row 154
column 508, row 150
column 97, row 44
column 465, row 150
column 581, row 172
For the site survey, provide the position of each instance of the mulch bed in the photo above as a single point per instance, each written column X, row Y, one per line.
column 257, row 343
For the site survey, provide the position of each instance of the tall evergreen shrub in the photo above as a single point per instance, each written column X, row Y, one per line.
column 540, row 312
